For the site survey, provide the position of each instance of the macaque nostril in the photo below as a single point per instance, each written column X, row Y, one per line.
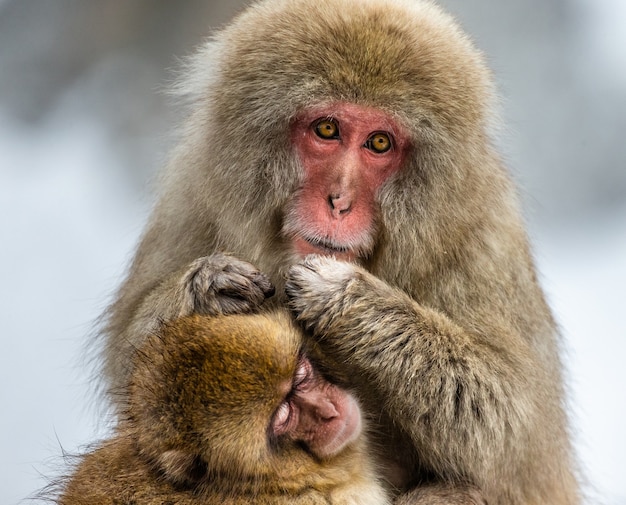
column 339, row 204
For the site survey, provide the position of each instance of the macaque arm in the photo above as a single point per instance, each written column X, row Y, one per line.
column 212, row 285
column 459, row 397
column 441, row 494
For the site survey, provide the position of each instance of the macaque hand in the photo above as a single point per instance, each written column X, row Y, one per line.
column 222, row 284
column 332, row 299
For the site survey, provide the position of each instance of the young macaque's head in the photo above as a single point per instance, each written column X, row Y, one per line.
column 234, row 398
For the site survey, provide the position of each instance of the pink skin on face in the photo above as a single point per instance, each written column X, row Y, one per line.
column 334, row 210
column 323, row 416
column 329, row 421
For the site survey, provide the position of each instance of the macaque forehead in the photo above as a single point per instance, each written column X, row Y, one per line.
column 262, row 349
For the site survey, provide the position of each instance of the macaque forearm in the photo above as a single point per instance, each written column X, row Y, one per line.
column 450, row 390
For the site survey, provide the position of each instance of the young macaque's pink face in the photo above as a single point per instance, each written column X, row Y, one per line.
column 321, row 415
column 347, row 152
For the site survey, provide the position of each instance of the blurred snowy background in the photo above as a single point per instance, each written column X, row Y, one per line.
column 84, row 127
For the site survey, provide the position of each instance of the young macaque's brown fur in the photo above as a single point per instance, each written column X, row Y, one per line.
column 202, row 427
column 361, row 130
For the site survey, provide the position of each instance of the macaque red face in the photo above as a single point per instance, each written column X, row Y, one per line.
column 347, row 152
column 322, row 416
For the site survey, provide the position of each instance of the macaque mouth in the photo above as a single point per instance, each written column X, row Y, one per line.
column 305, row 244
column 326, row 245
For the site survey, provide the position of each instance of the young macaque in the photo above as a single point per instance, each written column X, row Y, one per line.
column 229, row 410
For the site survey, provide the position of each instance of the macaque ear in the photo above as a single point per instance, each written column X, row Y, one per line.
column 182, row 467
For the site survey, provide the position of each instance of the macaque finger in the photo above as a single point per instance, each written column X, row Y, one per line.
column 222, row 284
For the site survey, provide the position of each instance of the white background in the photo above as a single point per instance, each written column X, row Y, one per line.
column 75, row 190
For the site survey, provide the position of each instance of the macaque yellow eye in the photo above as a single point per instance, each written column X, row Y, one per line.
column 327, row 129
column 379, row 143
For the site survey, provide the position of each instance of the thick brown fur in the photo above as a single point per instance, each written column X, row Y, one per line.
column 443, row 328
column 201, row 396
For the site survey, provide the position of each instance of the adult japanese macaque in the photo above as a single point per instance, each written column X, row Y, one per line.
column 229, row 410
column 358, row 131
